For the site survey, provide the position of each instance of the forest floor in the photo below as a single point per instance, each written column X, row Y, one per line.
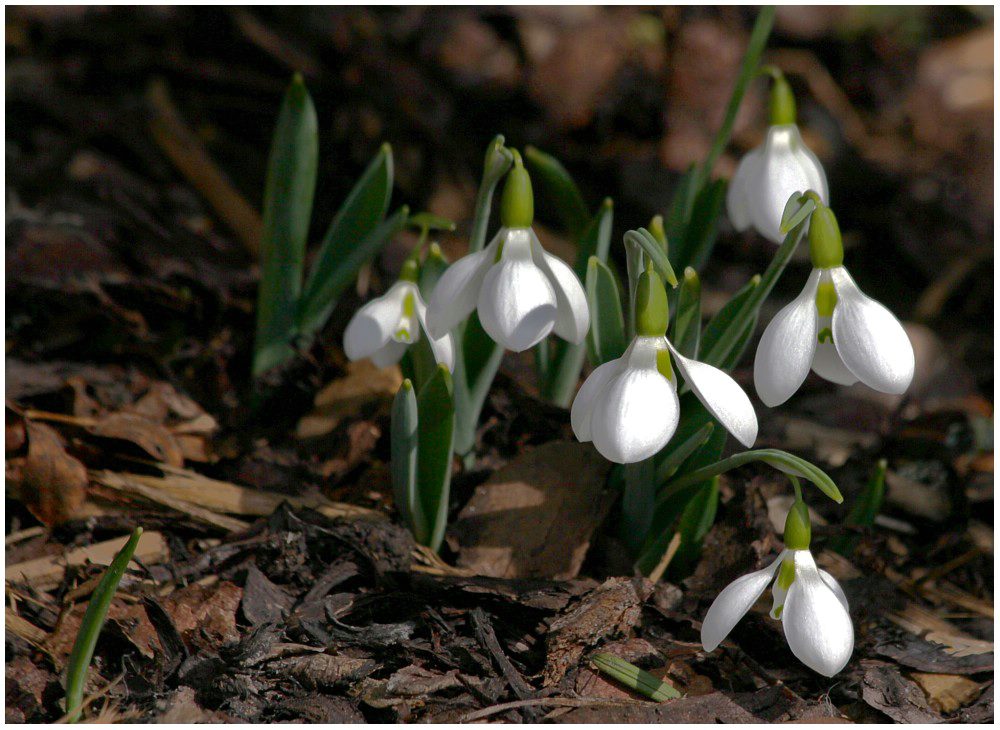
column 274, row 580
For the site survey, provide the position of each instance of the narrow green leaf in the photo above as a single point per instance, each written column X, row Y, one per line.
column 288, row 199
column 796, row 211
column 403, row 458
column 654, row 250
column 680, row 448
column 695, row 522
column 864, row 510
column 780, row 460
column 559, row 385
column 606, row 339
column 90, row 628
column 558, row 186
column 435, row 441
column 634, row 678
column 435, row 264
column 431, row 222
column 719, row 324
column 687, row 321
column 734, row 330
column 682, row 203
column 638, row 503
column 703, row 226
column 352, row 238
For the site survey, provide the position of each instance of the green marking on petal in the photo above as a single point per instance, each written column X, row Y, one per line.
column 664, row 365
column 826, row 299
column 403, row 334
column 409, row 305
column 825, row 335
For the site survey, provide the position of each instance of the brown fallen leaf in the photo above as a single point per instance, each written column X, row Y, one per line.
column 205, row 616
column 52, row 484
column 947, row 692
column 534, row 518
column 348, row 396
column 153, row 438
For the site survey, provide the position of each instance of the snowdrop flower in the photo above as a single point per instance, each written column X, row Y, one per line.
column 809, row 602
column 629, row 407
column 522, row 293
column 386, row 326
column 831, row 327
column 768, row 175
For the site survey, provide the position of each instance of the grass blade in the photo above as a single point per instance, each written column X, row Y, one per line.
column 436, row 438
column 687, row 321
column 561, row 191
column 288, row 199
column 606, row 339
column 93, row 621
column 348, row 242
column 403, row 458
column 634, row 678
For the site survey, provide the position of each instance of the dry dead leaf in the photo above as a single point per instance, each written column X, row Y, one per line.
column 347, row 396
column 52, row 483
column 947, row 692
column 153, row 438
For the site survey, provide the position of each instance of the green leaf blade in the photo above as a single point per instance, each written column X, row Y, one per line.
column 606, row 338
column 687, row 321
column 354, row 236
column 436, row 411
column 563, row 193
column 288, row 199
column 634, row 678
column 403, row 440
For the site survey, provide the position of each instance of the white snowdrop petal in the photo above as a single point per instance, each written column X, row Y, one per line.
column 517, row 306
column 786, row 166
column 593, row 387
column 442, row 347
column 738, row 193
column 457, row 291
column 835, row 587
column 733, row 603
column 786, row 349
column 721, row 395
column 635, row 416
column 374, row 324
column 817, row 625
column 389, row 354
column 826, row 362
column 573, row 316
column 870, row 340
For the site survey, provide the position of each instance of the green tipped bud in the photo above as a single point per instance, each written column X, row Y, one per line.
column 826, row 248
column 652, row 312
column 517, row 205
column 781, row 105
column 798, row 528
column 411, row 270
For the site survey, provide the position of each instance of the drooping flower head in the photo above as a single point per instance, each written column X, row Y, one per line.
column 832, row 328
column 629, row 407
column 386, row 326
column 521, row 292
column 807, row 600
column 768, row 175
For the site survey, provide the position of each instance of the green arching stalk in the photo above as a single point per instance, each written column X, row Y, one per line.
column 90, row 628
column 748, row 70
column 497, row 163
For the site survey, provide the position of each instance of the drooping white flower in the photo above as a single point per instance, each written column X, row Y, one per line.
column 629, row 407
column 809, row 602
column 384, row 327
column 832, row 328
column 768, row 175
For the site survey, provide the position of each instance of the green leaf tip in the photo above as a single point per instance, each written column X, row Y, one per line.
column 406, row 385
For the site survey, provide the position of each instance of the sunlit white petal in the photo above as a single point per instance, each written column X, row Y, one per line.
column 583, row 405
column 738, row 194
column 457, row 291
column 869, row 338
column 442, row 347
column 786, row 349
column 517, row 306
column 817, row 626
column 721, row 395
column 573, row 316
column 733, row 603
column 786, row 166
column 389, row 354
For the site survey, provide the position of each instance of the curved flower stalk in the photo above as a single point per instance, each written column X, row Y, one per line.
column 385, row 327
column 629, row 407
column 768, row 175
column 522, row 292
column 832, row 328
column 807, row 600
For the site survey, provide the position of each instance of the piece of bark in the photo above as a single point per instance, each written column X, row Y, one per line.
column 888, row 691
column 711, row 708
column 534, row 518
column 610, row 610
column 263, row 601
